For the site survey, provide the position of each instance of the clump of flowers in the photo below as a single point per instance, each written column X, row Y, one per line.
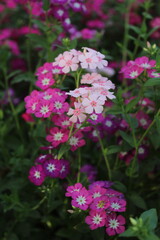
column 101, row 203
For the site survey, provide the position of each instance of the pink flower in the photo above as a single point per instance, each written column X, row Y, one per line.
column 71, row 189
column 44, row 109
column 88, row 60
column 97, row 191
column 61, row 121
column 143, row 119
column 45, row 81
column 77, row 113
column 27, row 117
column 145, row 63
column 67, row 61
column 133, row 72
column 96, row 219
column 76, row 141
column 115, row 224
column 100, row 203
column 90, row 78
column 117, row 205
column 57, row 136
column 37, row 175
column 81, row 199
column 93, row 103
column 59, row 106
column 88, row 33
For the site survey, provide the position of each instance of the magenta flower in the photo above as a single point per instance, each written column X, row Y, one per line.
column 45, row 81
column 64, row 168
column 97, row 191
column 61, row 121
column 81, row 199
column 117, row 204
column 143, row 119
column 37, row 175
column 100, row 203
column 115, row 224
column 44, row 109
column 71, row 189
column 76, row 141
column 57, row 136
column 52, row 168
column 96, row 219
column 145, row 63
column 42, row 158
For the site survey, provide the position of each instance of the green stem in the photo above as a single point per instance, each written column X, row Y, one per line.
column 39, row 203
column 79, row 165
column 126, row 32
column 12, row 107
column 104, row 152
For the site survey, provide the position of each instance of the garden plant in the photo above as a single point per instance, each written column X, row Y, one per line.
column 80, row 119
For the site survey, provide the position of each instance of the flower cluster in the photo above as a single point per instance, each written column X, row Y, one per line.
column 133, row 69
column 48, row 166
column 102, row 202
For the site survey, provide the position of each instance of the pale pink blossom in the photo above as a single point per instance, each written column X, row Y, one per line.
column 93, row 103
column 77, row 113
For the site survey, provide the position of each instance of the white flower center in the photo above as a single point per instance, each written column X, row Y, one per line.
column 145, row 65
column 37, row 174
column 97, row 219
column 94, row 117
column 58, row 136
column 44, row 71
column 73, row 141
column 58, row 105
column 65, row 123
column 44, row 109
column 140, row 150
column 34, row 106
column 56, row 70
column 94, row 133
column 51, row 167
column 97, row 194
column 60, row 12
column 76, row 5
column 81, row 200
column 115, row 206
column 47, row 97
column 63, row 169
column 143, row 121
column 134, row 74
column 113, row 223
column 45, row 81
column 108, row 123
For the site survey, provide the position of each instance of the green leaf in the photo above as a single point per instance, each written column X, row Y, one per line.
column 39, row 39
column 127, row 138
column 138, row 200
column 151, row 217
column 24, row 77
column 82, row 227
column 64, row 148
column 155, row 139
column 133, row 122
column 135, row 29
column 158, row 56
column 128, row 233
column 120, row 187
column 152, row 236
column 132, row 104
column 152, row 82
column 113, row 149
column 157, row 118
column 46, row 5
